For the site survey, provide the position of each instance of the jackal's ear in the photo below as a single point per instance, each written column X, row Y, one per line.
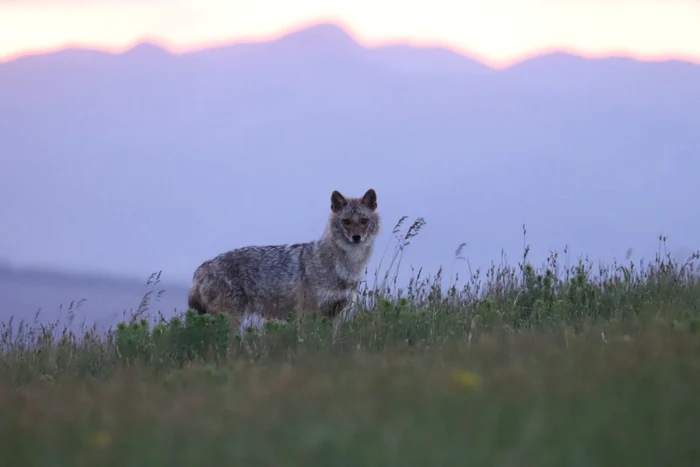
column 370, row 199
column 338, row 201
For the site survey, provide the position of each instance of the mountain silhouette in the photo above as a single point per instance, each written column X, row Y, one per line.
column 145, row 160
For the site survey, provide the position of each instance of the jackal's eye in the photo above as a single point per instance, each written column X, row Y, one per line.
column 364, row 221
column 346, row 221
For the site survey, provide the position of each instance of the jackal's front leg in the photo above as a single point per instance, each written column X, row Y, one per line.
column 338, row 314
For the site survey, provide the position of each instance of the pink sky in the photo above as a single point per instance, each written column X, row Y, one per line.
column 496, row 31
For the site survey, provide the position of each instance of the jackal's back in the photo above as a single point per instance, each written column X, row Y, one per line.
column 238, row 280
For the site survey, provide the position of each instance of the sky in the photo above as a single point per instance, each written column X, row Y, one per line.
column 499, row 32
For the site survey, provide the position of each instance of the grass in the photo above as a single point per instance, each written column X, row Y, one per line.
column 520, row 366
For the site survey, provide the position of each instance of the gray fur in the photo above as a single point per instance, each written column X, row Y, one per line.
column 271, row 281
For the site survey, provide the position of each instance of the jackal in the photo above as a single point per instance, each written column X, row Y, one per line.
column 268, row 282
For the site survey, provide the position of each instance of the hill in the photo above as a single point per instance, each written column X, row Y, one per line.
column 144, row 161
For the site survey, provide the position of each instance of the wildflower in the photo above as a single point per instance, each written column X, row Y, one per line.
column 101, row 439
column 466, row 379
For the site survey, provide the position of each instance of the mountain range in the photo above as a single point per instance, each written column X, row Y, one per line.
column 129, row 163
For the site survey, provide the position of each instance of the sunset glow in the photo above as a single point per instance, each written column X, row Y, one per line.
column 498, row 32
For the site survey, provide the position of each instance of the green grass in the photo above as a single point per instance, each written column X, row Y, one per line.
column 521, row 366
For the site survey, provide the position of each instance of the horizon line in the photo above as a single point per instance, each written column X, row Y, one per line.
column 164, row 44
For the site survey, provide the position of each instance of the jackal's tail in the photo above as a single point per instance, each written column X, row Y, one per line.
column 194, row 300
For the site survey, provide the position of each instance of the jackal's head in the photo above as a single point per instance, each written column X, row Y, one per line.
column 354, row 220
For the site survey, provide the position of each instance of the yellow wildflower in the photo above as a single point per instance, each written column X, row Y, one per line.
column 466, row 379
column 101, row 439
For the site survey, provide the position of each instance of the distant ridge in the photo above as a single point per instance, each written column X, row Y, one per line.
column 328, row 36
column 148, row 160
column 58, row 276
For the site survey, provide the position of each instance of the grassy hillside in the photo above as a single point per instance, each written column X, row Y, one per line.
column 521, row 365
